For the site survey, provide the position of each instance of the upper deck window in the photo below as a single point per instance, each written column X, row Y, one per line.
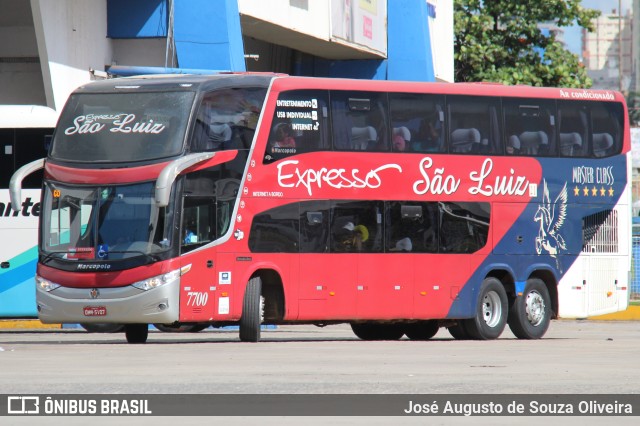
column 227, row 119
column 122, row 127
column 300, row 124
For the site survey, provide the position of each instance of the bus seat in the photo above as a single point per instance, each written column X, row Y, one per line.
column 465, row 140
column 514, row 144
column 362, row 136
column 532, row 142
column 402, row 131
column 570, row 143
column 602, row 143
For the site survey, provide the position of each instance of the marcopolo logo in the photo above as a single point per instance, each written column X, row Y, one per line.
column 23, row 405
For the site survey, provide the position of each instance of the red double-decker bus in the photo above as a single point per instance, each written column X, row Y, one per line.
column 397, row 207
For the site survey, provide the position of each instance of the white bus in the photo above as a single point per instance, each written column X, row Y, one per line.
column 24, row 132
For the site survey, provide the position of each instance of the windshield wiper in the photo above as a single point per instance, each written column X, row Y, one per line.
column 153, row 257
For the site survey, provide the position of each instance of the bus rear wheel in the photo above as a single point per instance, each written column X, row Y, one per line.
column 530, row 313
column 491, row 311
column 422, row 330
column 136, row 333
column 252, row 311
column 377, row 331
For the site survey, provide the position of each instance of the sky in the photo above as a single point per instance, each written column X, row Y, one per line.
column 573, row 35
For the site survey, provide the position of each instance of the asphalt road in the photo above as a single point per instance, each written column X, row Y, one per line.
column 574, row 357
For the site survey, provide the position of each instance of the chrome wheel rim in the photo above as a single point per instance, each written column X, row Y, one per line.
column 491, row 309
column 535, row 308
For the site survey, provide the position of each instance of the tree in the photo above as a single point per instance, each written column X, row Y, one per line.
column 499, row 41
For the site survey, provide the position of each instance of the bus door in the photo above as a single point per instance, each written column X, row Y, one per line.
column 197, row 301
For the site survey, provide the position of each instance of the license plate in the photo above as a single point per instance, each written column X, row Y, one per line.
column 95, row 311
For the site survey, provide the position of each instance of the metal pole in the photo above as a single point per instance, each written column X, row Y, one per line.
column 620, row 44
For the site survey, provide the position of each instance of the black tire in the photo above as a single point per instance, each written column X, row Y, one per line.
column 252, row 311
column 136, row 333
column 102, row 327
column 376, row 331
column 421, row 330
column 458, row 331
column 184, row 328
column 530, row 314
column 491, row 311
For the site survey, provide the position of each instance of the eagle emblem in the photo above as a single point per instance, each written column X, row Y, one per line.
column 551, row 217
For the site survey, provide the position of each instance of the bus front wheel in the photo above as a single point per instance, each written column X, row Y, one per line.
column 530, row 313
column 491, row 311
column 136, row 333
column 252, row 311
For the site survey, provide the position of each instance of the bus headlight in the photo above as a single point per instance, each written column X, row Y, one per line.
column 157, row 281
column 45, row 285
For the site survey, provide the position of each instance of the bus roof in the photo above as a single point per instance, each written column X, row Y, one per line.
column 186, row 82
column 284, row 82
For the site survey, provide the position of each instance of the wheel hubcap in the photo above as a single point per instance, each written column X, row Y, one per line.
column 491, row 309
column 535, row 308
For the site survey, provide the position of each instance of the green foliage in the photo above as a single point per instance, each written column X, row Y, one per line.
column 499, row 41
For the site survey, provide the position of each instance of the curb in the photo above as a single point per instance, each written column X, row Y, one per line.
column 27, row 325
column 631, row 314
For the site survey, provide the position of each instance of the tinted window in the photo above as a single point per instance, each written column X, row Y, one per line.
column 209, row 200
column 412, row 227
column 417, row 122
column 314, row 226
column 276, row 230
column 227, row 119
column 474, row 125
column 122, row 127
column 573, row 124
column 300, row 124
column 360, row 121
column 530, row 126
column 607, row 122
column 356, row 226
column 464, row 227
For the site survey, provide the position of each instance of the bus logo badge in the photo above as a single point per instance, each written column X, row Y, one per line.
column 94, row 293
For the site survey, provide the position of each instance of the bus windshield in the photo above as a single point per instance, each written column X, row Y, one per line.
column 119, row 127
column 104, row 223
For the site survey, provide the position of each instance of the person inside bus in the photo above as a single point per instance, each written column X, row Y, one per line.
column 401, row 139
column 283, row 136
column 428, row 137
column 352, row 237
